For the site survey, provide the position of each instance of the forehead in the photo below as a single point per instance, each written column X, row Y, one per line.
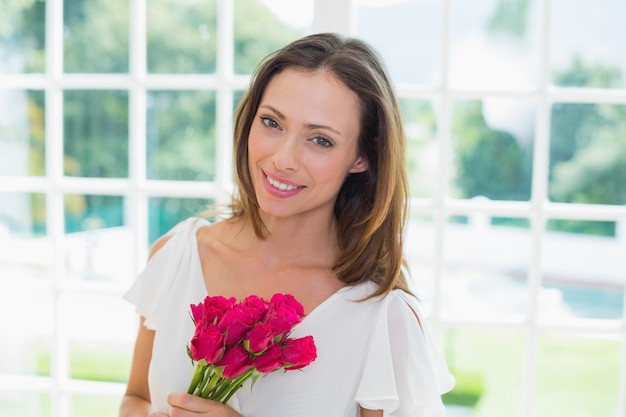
column 313, row 97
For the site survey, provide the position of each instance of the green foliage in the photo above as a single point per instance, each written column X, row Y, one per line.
column 182, row 37
column 96, row 133
column 588, row 145
column 253, row 19
column 510, row 17
column 467, row 390
column 181, row 135
column 96, row 36
column 581, row 74
column 23, row 34
column 489, row 163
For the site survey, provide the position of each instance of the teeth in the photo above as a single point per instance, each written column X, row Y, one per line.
column 280, row 185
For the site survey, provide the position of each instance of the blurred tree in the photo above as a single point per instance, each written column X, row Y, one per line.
column 510, row 17
column 588, row 147
column 253, row 18
column 182, row 36
column 22, row 35
column 489, row 163
column 96, row 36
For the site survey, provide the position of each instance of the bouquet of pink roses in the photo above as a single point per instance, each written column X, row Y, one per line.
column 236, row 341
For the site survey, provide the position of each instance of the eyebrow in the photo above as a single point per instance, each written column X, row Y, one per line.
column 309, row 126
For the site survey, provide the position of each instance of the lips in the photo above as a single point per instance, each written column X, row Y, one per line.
column 280, row 185
column 280, row 188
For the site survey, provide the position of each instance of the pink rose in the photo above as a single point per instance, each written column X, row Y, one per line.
column 257, row 304
column 211, row 309
column 236, row 360
column 207, row 343
column 237, row 322
column 284, row 313
column 259, row 338
column 270, row 360
column 298, row 353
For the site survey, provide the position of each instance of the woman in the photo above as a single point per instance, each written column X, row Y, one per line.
column 319, row 213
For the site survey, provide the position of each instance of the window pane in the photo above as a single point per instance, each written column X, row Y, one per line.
column 583, row 271
column 481, row 359
column 588, row 153
column 587, row 43
column 25, row 404
column 420, row 254
column 577, row 376
column 166, row 212
column 96, row 36
column 95, row 405
column 101, row 330
column 22, row 36
column 22, row 136
column 495, row 44
column 488, row 280
column 96, row 133
column 181, row 135
column 493, row 146
column 407, row 35
column 30, row 304
column 262, row 26
column 98, row 245
column 420, row 124
column 181, row 36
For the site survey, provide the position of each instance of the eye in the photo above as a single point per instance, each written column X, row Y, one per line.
column 269, row 122
column 322, row 141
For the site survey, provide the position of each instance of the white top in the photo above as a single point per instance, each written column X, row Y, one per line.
column 373, row 353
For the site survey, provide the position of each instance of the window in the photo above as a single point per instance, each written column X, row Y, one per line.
column 515, row 117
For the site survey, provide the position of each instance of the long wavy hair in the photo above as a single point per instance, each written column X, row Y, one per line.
column 371, row 208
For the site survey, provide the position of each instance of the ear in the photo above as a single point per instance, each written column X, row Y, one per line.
column 360, row 165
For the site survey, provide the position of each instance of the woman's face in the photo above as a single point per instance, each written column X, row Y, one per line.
column 303, row 143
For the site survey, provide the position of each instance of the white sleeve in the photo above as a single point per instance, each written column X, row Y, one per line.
column 153, row 284
column 404, row 373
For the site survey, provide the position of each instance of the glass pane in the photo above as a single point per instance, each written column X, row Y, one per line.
column 262, row 26
column 481, row 359
column 420, row 124
column 587, row 43
column 420, row 254
column 493, row 147
column 486, row 281
column 95, row 405
column 166, row 212
column 31, row 305
column 577, row 376
column 96, row 36
column 101, row 333
column 588, row 153
column 96, row 133
column 98, row 244
column 397, row 30
column 583, row 271
column 22, row 36
column 22, row 136
column 181, row 36
column 181, row 135
column 25, row 404
column 495, row 44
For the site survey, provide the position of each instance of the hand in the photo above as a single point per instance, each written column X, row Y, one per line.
column 183, row 405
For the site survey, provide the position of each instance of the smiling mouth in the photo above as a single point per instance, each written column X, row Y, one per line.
column 280, row 185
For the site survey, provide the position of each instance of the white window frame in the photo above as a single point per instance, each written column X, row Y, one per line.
column 329, row 15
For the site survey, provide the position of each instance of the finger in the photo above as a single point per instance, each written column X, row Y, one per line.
column 189, row 402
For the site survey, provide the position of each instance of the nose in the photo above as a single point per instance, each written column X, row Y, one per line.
column 286, row 156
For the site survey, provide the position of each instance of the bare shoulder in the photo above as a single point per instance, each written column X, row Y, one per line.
column 159, row 244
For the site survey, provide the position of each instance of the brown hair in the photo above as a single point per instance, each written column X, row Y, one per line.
column 371, row 207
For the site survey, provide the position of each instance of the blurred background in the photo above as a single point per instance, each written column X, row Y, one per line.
column 116, row 123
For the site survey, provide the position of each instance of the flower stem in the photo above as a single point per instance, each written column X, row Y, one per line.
column 198, row 376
